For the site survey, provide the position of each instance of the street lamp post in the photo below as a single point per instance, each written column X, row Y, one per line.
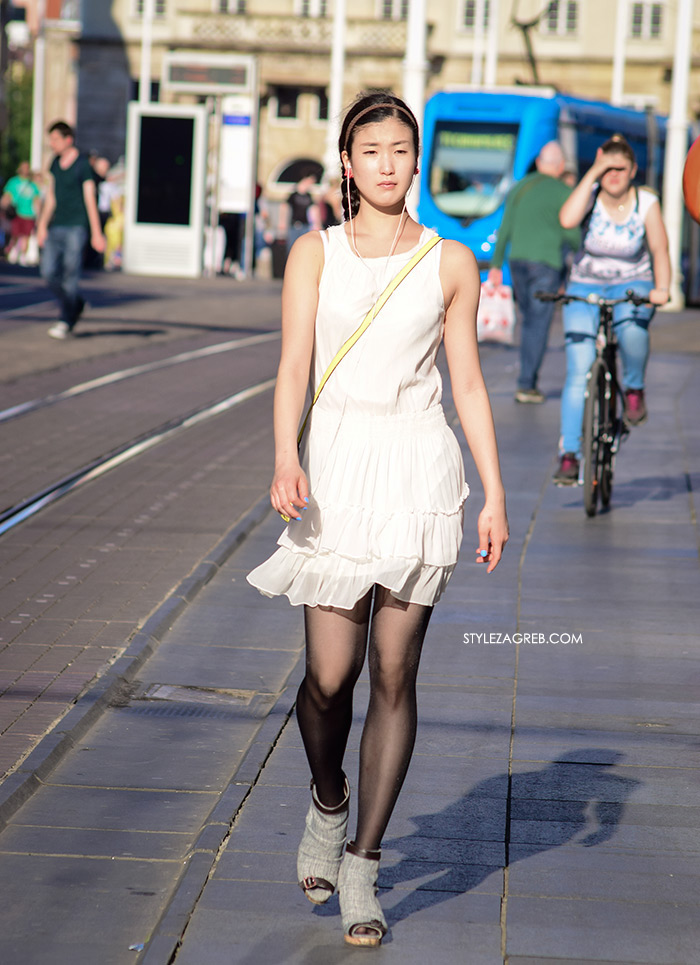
column 335, row 90
column 492, row 45
column 415, row 72
column 38, row 80
column 146, row 44
column 618, row 74
column 677, row 146
column 478, row 43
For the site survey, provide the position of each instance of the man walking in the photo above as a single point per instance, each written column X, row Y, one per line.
column 69, row 216
column 531, row 227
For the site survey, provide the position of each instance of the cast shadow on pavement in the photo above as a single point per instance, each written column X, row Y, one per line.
column 652, row 489
column 548, row 808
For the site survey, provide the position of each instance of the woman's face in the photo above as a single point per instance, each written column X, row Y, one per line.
column 383, row 162
column 618, row 177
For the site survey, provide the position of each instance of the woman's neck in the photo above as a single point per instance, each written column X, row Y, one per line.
column 617, row 204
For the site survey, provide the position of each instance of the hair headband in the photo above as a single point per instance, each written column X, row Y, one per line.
column 375, row 107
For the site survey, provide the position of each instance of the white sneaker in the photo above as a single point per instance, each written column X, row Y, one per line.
column 59, row 330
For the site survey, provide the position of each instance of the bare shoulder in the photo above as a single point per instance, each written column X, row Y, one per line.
column 306, row 255
column 459, row 271
column 309, row 245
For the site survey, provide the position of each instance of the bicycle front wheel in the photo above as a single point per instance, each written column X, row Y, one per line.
column 593, row 419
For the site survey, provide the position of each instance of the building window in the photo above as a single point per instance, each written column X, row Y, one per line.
column 470, row 14
column 158, row 7
column 232, row 6
column 393, row 10
column 561, row 18
column 646, row 21
column 287, row 102
column 312, row 8
column 322, row 104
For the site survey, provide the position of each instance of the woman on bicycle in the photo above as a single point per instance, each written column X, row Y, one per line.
column 623, row 246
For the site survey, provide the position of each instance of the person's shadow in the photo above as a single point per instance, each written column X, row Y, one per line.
column 460, row 846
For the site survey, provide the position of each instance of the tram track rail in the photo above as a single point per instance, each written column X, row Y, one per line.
column 18, row 513
column 218, row 348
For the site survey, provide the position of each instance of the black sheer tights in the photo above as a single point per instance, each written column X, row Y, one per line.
column 336, row 643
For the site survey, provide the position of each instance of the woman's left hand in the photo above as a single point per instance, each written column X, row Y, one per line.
column 659, row 296
column 493, row 536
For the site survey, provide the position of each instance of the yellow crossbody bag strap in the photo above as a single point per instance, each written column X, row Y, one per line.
column 367, row 321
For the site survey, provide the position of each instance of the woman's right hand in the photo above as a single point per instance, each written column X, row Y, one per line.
column 289, row 492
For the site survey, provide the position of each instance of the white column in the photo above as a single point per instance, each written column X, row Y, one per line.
column 478, row 43
column 492, row 45
column 415, row 65
column 331, row 160
column 146, row 44
column 415, row 73
column 618, row 74
column 677, row 146
column 38, row 83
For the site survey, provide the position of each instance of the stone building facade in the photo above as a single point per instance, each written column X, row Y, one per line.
column 95, row 59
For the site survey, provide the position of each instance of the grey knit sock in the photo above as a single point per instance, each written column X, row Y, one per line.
column 357, row 889
column 321, row 849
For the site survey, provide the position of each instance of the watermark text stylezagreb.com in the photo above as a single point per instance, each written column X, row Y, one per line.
column 496, row 638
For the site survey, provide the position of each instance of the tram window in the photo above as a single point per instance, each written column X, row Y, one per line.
column 471, row 168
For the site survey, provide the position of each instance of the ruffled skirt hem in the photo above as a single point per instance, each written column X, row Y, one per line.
column 330, row 580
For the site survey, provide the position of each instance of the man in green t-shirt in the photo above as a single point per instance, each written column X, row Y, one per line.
column 68, row 217
column 23, row 195
column 531, row 227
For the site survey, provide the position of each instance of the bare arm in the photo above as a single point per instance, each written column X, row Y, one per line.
column 289, row 489
column 460, row 280
column 657, row 240
column 97, row 239
column 574, row 209
column 47, row 210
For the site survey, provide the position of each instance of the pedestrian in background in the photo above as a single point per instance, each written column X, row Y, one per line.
column 20, row 198
column 375, row 514
column 300, row 213
column 532, row 230
column 68, row 218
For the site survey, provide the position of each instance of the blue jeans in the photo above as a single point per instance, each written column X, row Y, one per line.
column 631, row 325
column 528, row 278
column 61, row 264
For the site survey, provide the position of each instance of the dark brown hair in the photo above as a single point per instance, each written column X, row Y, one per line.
column 369, row 108
column 617, row 144
column 65, row 130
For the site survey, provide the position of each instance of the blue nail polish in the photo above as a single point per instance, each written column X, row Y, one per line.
column 484, row 552
column 298, row 519
column 306, row 499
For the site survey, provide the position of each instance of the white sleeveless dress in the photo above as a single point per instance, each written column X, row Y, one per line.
column 385, row 471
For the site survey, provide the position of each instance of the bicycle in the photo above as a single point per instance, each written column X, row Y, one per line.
column 604, row 425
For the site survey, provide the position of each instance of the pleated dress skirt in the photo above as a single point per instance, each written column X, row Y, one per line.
column 386, row 507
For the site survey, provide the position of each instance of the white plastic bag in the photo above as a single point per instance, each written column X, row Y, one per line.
column 495, row 321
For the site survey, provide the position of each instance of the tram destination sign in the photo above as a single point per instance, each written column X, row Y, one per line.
column 193, row 73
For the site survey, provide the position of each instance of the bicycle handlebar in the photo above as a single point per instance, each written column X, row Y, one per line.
column 592, row 299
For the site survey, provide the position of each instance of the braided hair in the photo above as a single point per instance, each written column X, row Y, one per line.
column 369, row 108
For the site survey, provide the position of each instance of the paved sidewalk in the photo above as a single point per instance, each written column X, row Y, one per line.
column 550, row 813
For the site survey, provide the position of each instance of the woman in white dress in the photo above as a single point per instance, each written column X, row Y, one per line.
column 376, row 501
